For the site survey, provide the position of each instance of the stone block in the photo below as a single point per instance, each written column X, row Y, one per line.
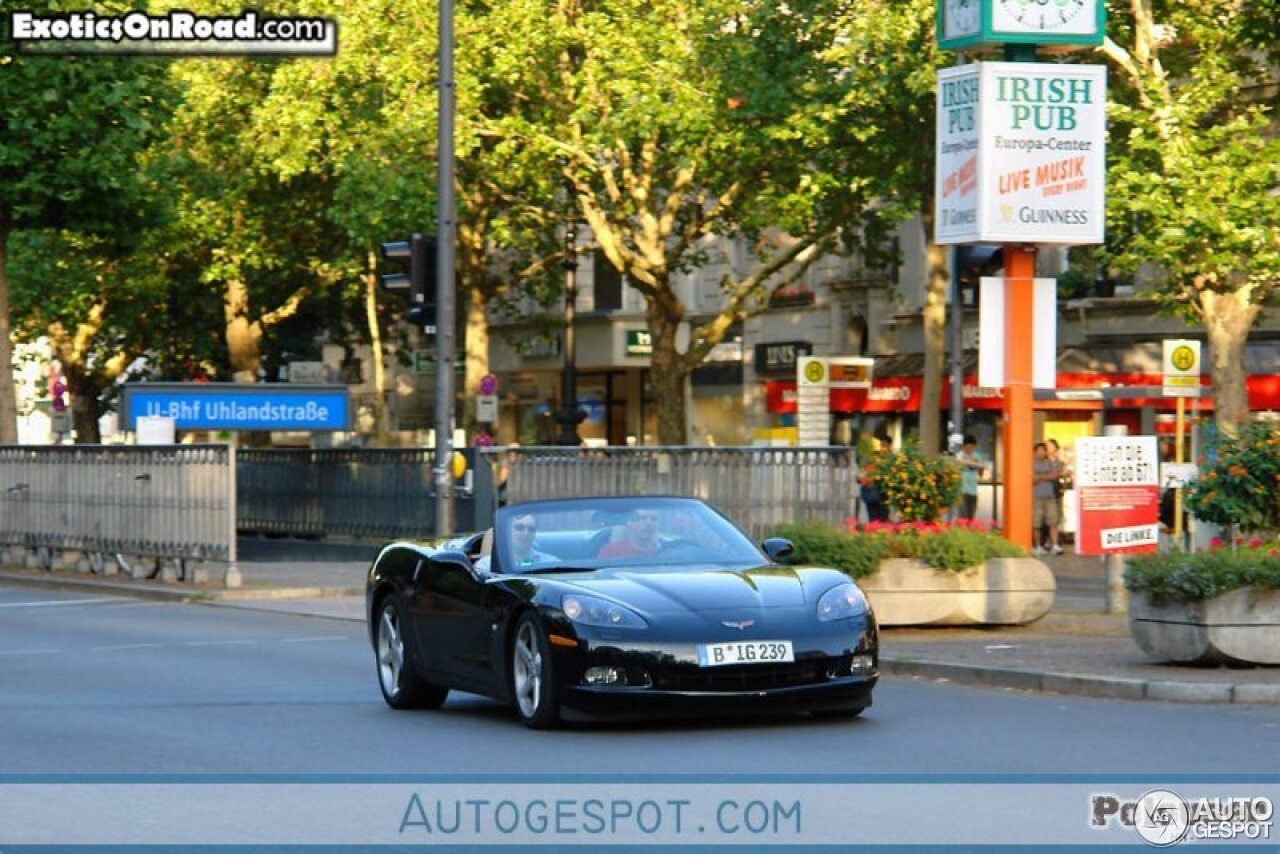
column 1109, row 687
column 1238, row 626
column 1256, row 693
column 1190, row 692
column 1004, row 591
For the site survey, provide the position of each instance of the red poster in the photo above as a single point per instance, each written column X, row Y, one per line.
column 1118, row 489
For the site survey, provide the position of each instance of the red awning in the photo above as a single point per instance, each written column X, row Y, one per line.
column 902, row 394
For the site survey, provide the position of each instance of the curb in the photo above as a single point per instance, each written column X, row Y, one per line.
column 167, row 593
column 1103, row 687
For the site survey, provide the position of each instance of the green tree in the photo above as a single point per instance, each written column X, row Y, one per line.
column 683, row 127
column 100, row 306
column 1193, row 168
column 253, row 233
column 71, row 130
column 888, row 51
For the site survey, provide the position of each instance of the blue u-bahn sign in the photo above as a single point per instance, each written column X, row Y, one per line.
column 240, row 406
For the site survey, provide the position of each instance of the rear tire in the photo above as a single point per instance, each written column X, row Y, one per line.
column 533, row 677
column 401, row 686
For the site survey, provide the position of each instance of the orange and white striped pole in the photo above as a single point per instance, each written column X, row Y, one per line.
column 1019, row 394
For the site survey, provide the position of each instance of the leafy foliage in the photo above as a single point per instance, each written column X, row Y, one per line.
column 1182, row 577
column 919, row 487
column 829, row 545
column 1240, row 482
column 1192, row 167
column 858, row 551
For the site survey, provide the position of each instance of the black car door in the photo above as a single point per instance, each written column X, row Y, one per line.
column 453, row 627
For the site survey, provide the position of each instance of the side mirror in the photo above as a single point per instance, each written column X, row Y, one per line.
column 452, row 557
column 777, row 548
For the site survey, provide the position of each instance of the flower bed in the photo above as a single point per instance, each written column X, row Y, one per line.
column 857, row 549
column 919, row 573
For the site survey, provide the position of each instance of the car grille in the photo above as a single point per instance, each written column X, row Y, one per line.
column 743, row 677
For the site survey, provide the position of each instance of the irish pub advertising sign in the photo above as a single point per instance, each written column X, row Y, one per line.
column 1021, row 154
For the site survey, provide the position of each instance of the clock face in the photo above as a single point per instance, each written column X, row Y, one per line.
column 1075, row 16
column 962, row 18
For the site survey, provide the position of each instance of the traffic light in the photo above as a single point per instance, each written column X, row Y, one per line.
column 419, row 286
column 971, row 264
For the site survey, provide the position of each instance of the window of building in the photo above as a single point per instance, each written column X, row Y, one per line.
column 607, row 282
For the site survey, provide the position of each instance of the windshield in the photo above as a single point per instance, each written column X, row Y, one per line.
column 593, row 533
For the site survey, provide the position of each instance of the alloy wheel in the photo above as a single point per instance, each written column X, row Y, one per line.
column 528, row 670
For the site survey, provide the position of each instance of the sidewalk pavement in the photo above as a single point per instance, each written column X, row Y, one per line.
column 1077, row 649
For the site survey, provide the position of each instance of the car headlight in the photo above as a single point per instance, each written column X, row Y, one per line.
column 591, row 611
column 842, row 602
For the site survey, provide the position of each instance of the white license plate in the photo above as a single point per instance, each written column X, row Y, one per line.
column 744, row 652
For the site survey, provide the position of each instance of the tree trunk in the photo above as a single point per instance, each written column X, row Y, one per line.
column 934, row 320
column 1228, row 317
column 84, row 390
column 243, row 336
column 668, row 376
column 8, row 394
column 375, row 345
column 477, row 356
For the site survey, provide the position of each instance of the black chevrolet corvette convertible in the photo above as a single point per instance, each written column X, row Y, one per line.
column 597, row 607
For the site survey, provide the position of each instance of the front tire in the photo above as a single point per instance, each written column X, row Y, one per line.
column 401, row 686
column 533, row 683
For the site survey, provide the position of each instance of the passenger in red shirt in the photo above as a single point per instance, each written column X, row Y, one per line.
column 641, row 540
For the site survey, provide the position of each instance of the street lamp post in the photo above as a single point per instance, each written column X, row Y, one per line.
column 570, row 416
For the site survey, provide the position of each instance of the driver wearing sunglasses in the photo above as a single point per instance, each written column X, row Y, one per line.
column 524, row 529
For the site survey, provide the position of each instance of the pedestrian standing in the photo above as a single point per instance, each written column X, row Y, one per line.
column 1062, row 484
column 872, row 496
column 971, row 467
column 1045, row 508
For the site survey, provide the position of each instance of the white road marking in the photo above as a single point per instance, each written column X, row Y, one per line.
column 53, row 603
column 220, row 643
column 121, row 646
column 313, row 640
column 134, row 605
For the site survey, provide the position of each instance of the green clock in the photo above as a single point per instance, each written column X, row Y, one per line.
column 960, row 18
column 1054, row 24
column 1043, row 16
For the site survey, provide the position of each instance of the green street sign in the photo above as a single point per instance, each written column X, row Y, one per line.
column 424, row 363
column 639, row 342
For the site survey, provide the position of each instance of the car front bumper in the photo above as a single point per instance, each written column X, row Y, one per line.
column 846, row 693
column 664, row 678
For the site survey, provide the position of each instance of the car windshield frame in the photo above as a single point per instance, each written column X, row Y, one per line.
column 585, row 534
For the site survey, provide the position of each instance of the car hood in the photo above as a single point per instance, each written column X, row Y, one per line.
column 707, row 587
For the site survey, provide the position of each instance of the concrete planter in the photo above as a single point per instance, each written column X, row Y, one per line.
column 1239, row 627
column 1001, row 592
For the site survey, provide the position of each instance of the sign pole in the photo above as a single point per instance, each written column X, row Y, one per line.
column 1019, row 318
column 446, row 288
column 1179, row 427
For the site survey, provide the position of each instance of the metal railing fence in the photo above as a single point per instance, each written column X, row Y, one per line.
column 364, row 492
column 175, row 501
column 758, row 488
